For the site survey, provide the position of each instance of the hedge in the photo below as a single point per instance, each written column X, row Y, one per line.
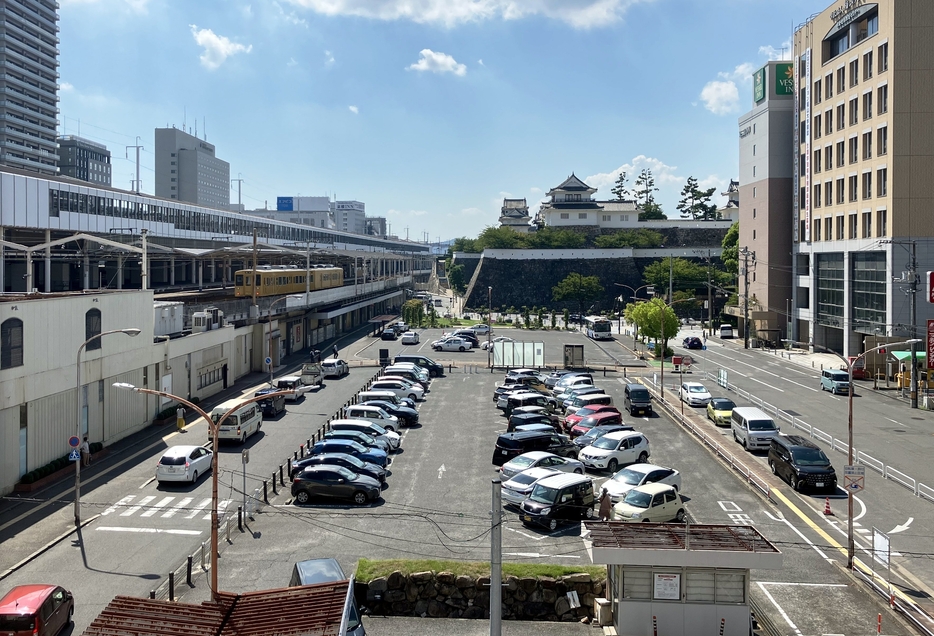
column 55, row 465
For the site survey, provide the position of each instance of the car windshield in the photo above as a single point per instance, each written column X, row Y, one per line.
column 761, row 425
column 810, row 457
column 606, row 443
column 379, row 430
column 641, row 394
column 355, row 446
column 587, row 422
column 523, row 479
column 627, row 476
column 696, row 388
column 638, row 499
column 544, row 494
column 839, row 376
column 353, row 461
column 522, row 461
column 346, row 473
column 721, row 404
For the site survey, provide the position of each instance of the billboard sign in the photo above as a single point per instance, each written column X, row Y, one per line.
column 931, row 287
column 785, row 79
column 930, row 349
column 758, row 85
column 284, row 204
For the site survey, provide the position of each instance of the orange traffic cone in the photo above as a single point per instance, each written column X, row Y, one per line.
column 827, row 511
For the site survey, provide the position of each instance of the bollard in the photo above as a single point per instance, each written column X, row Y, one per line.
column 152, row 594
column 188, row 574
column 227, row 529
column 655, row 625
column 203, row 551
column 294, row 456
column 604, row 371
column 879, row 625
column 274, row 491
column 281, row 479
column 301, row 450
column 265, row 493
column 240, row 518
column 308, row 443
column 722, row 625
column 171, row 586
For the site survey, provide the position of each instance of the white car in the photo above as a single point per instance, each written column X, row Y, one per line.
column 295, row 384
column 450, row 344
column 638, row 474
column 183, row 463
column 657, row 503
column 481, row 329
column 374, row 428
column 488, row 344
column 515, row 373
column 401, row 388
column 614, row 450
column 410, row 337
column 694, row 393
column 372, row 414
column 334, row 368
column 542, row 459
column 515, row 490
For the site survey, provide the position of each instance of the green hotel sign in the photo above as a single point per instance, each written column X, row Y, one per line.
column 785, row 79
column 758, row 85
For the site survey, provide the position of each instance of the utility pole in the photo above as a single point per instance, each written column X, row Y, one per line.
column 746, row 254
column 239, row 181
column 138, row 148
column 496, row 561
column 913, row 299
column 709, row 297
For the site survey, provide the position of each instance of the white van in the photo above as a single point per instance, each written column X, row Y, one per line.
column 726, row 331
column 239, row 425
column 372, row 414
column 591, row 399
column 385, row 396
column 753, row 428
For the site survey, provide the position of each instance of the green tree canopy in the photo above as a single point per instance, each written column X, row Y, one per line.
column 553, row 238
column 687, row 275
column 580, row 288
column 730, row 254
column 651, row 211
column 413, row 312
column 504, row 238
column 620, row 189
column 464, row 244
column 640, row 237
column 654, row 320
column 695, row 202
column 456, row 278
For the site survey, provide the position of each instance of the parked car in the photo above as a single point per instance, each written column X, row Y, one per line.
column 637, row 399
column 349, row 447
column 339, row 459
column 361, row 438
column 385, row 396
column 369, row 427
column 295, row 384
column 36, row 610
column 656, row 503
column 569, row 382
column 835, row 381
column 451, row 344
column 509, row 445
column 335, row 368
column 373, row 414
column 552, row 378
column 525, row 419
column 597, row 419
column 581, row 400
column 410, row 337
column 270, row 406
column 401, row 389
column 388, row 334
column 597, row 432
column 488, row 344
column 434, row 369
column 586, row 411
column 523, row 371
column 616, row 449
column 557, row 499
column 315, row 571
column 752, row 427
column 481, row 329
column 801, row 463
column 540, row 458
column 469, row 336
column 183, row 463
column 510, row 401
column 694, row 393
column 400, row 328
column 719, row 411
column 516, row 489
column 334, row 482
column 692, row 342
column 637, row 474
column 406, row 416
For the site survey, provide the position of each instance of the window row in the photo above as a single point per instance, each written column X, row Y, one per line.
column 848, row 152
column 850, row 226
column 872, row 61
column 850, row 189
column 11, row 338
column 856, row 110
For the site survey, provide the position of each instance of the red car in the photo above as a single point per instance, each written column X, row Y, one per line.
column 36, row 610
column 580, row 414
column 597, row 419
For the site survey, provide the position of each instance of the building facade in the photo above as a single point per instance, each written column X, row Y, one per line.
column 349, row 216
column 188, row 170
column 82, row 159
column 29, row 81
column 572, row 203
column 864, row 153
column 313, row 211
column 515, row 214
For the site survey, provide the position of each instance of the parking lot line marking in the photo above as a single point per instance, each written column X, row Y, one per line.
column 802, row 584
column 780, row 610
column 529, row 536
column 781, row 518
column 148, row 530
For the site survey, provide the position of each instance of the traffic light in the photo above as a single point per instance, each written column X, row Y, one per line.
column 882, row 350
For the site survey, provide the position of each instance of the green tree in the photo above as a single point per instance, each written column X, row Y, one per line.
column 654, row 320
column 553, row 238
column 413, row 312
column 730, row 254
column 456, row 278
column 639, row 238
column 583, row 289
column 620, row 189
column 651, row 211
column 686, row 274
column 645, row 188
column 464, row 244
column 554, row 319
column 695, row 202
column 541, row 318
column 504, row 238
column 567, row 317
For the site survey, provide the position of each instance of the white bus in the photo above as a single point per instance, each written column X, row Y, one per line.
column 598, row 328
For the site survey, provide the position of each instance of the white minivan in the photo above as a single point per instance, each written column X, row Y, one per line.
column 726, row 331
column 245, row 420
column 753, row 428
column 372, row 414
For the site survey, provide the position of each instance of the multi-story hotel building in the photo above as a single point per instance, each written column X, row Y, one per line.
column 863, row 202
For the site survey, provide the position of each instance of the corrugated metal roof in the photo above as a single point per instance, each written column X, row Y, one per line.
column 663, row 536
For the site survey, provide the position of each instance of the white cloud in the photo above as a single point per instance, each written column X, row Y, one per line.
column 328, row 58
column 291, row 62
column 783, row 52
column 720, row 98
column 535, row 190
column 289, row 16
column 480, row 62
column 353, row 109
column 217, row 48
column 470, row 212
column 407, row 214
column 66, row 86
column 428, row 60
column 581, row 14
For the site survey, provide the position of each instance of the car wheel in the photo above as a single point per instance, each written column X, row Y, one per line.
column 643, row 457
column 680, row 516
column 578, row 471
column 460, row 349
column 359, row 497
column 646, row 521
column 412, row 397
column 194, row 477
column 612, row 465
column 821, row 387
column 746, row 444
column 793, row 482
column 243, row 438
column 552, row 524
column 302, row 497
column 735, row 439
column 390, row 428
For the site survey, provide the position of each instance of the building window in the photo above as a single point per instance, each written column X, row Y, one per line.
column 882, row 182
column 816, row 161
column 818, row 93
column 818, row 129
column 828, row 121
column 828, row 157
column 92, row 327
column 867, row 225
column 883, row 134
column 883, row 57
column 841, row 78
column 883, row 99
column 828, row 229
column 841, row 116
column 624, row 218
column 753, row 171
column 867, row 185
column 868, row 290
column 867, row 105
column 564, row 215
column 854, row 149
column 840, row 191
column 754, row 150
column 582, row 215
column 852, row 185
column 817, row 193
column 753, row 235
column 839, row 227
column 828, row 192
column 881, row 224
column 754, row 192
column 851, row 226
column 11, row 343
column 854, row 111
column 854, row 73
column 828, row 86
column 867, row 145
column 841, row 155
column 867, row 66
column 753, row 213
column 817, row 225
column 607, row 217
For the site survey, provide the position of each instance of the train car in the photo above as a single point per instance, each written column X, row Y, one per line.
column 281, row 281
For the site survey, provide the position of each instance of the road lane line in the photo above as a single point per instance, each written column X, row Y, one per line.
column 803, row 584
column 782, row 518
column 775, row 388
column 165, row 501
column 147, row 482
column 780, row 610
column 148, row 530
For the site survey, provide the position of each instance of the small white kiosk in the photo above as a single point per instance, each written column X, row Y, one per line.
column 681, row 580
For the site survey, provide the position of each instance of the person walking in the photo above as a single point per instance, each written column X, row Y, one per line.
column 606, row 506
column 335, row 351
column 85, row 449
column 180, row 418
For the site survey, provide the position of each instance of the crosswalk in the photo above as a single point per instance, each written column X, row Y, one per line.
column 166, row 507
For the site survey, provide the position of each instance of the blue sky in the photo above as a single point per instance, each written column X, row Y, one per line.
column 429, row 111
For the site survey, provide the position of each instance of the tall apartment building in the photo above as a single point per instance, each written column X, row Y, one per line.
column 29, row 83
column 82, row 159
column 188, row 170
column 349, row 216
column 766, row 172
column 863, row 203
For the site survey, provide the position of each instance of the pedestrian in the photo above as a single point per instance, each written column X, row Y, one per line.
column 335, row 351
column 85, row 449
column 180, row 418
column 606, row 505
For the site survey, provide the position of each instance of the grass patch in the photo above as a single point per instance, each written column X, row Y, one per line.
column 367, row 569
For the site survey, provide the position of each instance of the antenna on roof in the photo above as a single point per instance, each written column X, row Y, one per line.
column 185, row 118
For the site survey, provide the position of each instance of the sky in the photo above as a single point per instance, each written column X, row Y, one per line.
column 428, row 111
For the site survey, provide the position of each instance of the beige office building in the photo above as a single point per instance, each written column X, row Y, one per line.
column 863, row 201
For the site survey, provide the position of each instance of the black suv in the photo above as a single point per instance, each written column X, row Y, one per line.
column 434, row 369
column 388, row 334
column 801, row 463
column 509, row 445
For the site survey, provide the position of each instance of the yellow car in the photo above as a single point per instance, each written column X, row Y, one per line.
column 719, row 411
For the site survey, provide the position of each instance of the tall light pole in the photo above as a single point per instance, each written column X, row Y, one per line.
column 132, row 332
column 215, row 427
column 635, row 296
column 489, row 333
column 661, row 314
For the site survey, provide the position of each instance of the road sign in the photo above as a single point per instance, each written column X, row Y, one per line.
column 73, row 441
column 245, row 456
column 74, row 456
column 268, row 361
column 854, row 478
column 722, row 378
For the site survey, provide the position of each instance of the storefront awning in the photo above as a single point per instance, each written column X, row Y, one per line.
column 905, row 355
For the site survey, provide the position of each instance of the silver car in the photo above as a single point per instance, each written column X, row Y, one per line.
column 515, row 490
column 544, row 459
column 638, row 474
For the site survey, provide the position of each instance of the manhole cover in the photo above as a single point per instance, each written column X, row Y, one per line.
column 792, row 413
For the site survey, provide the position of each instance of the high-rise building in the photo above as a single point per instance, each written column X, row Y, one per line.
column 349, row 216
column 83, row 159
column 188, row 170
column 29, row 83
column 864, row 156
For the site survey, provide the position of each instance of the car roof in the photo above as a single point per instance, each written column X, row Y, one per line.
column 331, row 360
column 319, row 571
column 564, row 479
column 693, row 384
column 645, row 468
column 525, row 415
column 179, row 451
column 653, row 488
column 536, row 455
column 797, row 441
column 290, row 378
column 602, row 415
column 538, row 472
column 622, row 434
column 366, row 407
column 25, row 599
column 525, row 394
column 265, row 392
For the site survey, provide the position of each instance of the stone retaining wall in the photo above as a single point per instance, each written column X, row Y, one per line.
column 446, row 595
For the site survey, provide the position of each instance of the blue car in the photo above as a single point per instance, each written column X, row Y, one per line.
column 372, row 455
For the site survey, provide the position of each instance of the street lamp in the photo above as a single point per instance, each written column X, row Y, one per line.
column 132, row 332
column 635, row 294
column 215, row 427
column 850, row 365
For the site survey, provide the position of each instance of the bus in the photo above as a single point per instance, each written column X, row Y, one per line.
column 598, row 328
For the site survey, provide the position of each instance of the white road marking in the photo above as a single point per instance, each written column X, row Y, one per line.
column 802, row 584
column 892, row 421
column 221, row 509
column 729, row 506
column 156, row 507
column 147, row 482
column 201, row 506
column 781, row 518
column 780, row 610
column 142, row 502
column 538, row 555
column 774, row 388
column 524, row 534
column 148, row 530
column 862, row 509
column 177, row 508
column 902, row 526
column 441, row 471
column 120, row 504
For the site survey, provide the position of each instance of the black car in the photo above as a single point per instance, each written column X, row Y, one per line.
column 434, row 369
column 469, row 336
column 801, row 463
column 271, row 406
column 407, row 416
column 334, row 482
column 388, row 334
column 597, row 432
column 338, row 459
column 510, row 445
column 522, row 419
column 692, row 342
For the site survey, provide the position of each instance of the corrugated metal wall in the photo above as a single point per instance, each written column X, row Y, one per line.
column 126, row 411
column 9, row 448
column 51, row 422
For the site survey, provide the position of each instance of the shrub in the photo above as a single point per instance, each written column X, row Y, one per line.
column 195, row 400
column 28, row 478
column 97, row 447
